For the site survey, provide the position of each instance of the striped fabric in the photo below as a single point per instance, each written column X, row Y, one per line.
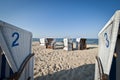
column 5, row 70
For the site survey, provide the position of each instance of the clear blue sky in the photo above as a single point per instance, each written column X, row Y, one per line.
column 59, row 18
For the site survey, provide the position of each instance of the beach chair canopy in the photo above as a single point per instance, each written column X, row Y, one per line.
column 107, row 44
column 16, row 45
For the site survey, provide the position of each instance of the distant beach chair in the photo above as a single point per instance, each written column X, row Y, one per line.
column 16, row 59
column 42, row 41
column 81, row 43
column 49, row 43
column 68, row 44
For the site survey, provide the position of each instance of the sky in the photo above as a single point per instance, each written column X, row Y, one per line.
column 59, row 18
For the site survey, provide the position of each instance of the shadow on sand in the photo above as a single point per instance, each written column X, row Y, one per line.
column 92, row 47
column 85, row 72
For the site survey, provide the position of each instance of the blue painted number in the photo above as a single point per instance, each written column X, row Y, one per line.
column 16, row 35
column 107, row 41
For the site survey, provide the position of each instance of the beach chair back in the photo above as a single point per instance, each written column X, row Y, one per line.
column 83, row 44
column 16, row 44
column 108, row 45
column 49, row 43
column 68, row 44
column 42, row 41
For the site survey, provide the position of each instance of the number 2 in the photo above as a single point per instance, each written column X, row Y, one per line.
column 16, row 35
column 107, row 41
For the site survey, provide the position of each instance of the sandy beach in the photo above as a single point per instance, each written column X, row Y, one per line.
column 59, row 64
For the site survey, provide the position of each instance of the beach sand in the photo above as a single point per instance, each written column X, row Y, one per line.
column 59, row 64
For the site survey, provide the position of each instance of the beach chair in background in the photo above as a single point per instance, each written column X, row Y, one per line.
column 81, row 43
column 107, row 65
column 16, row 59
column 68, row 44
column 42, row 41
column 49, row 43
